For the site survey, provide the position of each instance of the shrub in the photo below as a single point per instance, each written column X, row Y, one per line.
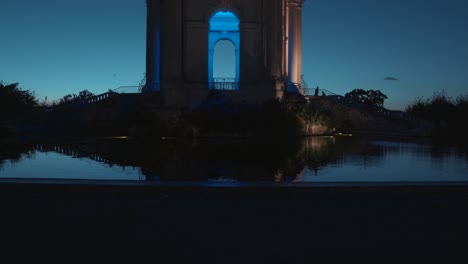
column 15, row 101
column 449, row 114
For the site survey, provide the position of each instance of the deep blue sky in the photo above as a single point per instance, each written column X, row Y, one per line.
column 56, row 47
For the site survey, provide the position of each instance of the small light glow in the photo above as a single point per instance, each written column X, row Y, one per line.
column 343, row 134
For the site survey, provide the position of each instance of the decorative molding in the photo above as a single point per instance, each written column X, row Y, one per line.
column 298, row 3
column 230, row 5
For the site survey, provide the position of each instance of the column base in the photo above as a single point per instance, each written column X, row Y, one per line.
column 295, row 88
column 152, row 87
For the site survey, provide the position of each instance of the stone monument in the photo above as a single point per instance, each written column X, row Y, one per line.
column 181, row 35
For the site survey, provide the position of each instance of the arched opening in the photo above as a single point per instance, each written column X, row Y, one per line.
column 223, row 51
column 224, row 65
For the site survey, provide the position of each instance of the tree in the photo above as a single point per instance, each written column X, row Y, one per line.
column 66, row 99
column 14, row 101
column 85, row 94
column 367, row 97
column 142, row 84
column 73, row 98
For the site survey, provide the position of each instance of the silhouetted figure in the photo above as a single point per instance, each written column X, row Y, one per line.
column 316, row 91
column 323, row 94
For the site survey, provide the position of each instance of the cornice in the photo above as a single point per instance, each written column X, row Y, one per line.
column 298, row 3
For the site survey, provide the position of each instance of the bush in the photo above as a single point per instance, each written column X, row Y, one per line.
column 274, row 118
column 74, row 98
column 438, row 107
column 449, row 114
column 15, row 101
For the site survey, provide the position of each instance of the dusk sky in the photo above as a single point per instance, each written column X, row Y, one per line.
column 57, row 47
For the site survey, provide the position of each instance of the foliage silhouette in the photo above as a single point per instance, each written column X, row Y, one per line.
column 75, row 98
column 448, row 114
column 367, row 97
column 15, row 102
column 275, row 118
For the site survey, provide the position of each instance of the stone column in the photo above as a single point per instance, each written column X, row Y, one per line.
column 237, row 66
column 210, row 66
column 250, row 55
column 295, row 45
column 196, row 52
column 153, row 45
column 171, row 43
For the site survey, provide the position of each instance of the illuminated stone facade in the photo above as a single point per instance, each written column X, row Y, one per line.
column 180, row 39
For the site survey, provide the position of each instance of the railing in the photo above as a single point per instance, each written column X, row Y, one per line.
column 319, row 92
column 111, row 93
column 100, row 97
column 225, row 84
column 128, row 89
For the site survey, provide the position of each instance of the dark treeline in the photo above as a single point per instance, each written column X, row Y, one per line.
column 448, row 114
column 70, row 98
column 20, row 109
column 144, row 116
column 16, row 106
column 15, row 101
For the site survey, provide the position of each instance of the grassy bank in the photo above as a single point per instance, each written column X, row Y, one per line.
column 448, row 114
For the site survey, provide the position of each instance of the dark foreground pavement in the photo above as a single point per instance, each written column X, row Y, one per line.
column 225, row 224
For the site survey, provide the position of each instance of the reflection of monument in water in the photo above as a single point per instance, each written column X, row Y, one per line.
column 185, row 160
column 182, row 36
column 310, row 153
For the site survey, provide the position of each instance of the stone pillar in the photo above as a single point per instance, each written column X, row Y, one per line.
column 295, row 45
column 153, row 45
column 237, row 66
column 210, row 67
column 196, row 51
column 250, row 53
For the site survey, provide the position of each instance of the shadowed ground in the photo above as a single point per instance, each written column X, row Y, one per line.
column 153, row 223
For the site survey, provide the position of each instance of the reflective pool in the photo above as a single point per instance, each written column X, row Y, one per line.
column 314, row 159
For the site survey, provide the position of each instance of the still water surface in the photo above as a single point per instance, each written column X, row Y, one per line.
column 316, row 159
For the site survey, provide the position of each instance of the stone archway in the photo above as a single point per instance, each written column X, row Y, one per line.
column 180, row 45
column 223, row 25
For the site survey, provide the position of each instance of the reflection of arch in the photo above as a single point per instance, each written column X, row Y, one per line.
column 224, row 25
